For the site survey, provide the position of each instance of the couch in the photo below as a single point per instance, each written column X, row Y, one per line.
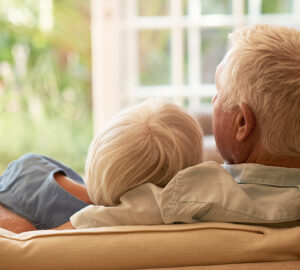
column 179, row 246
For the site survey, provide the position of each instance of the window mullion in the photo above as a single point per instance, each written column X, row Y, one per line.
column 296, row 8
column 254, row 7
column 238, row 7
column 105, row 50
column 194, row 50
column 132, row 51
column 194, row 44
column 177, row 48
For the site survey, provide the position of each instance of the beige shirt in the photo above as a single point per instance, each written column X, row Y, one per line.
column 244, row 193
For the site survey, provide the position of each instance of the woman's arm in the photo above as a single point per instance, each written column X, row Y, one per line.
column 77, row 190
column 14, row 223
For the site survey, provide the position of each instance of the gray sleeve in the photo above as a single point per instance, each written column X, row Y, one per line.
column 29, row 189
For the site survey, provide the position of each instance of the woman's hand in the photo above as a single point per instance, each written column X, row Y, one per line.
column 66, row 226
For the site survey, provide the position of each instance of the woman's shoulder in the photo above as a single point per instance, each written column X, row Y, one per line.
column 28, row 161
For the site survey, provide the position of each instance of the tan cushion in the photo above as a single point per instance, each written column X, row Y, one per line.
column 205, row 120
column 142, row 247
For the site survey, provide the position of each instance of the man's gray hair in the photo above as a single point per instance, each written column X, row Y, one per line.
column 262, row 69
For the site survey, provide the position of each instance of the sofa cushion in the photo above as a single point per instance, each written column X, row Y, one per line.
column 142, row 247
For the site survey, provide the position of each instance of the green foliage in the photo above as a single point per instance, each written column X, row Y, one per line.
column 54, row 137
column 153, row 7
column 216, row 6
column 45, row 103
column 154, row 47
column 273, row 6
column 277, row 6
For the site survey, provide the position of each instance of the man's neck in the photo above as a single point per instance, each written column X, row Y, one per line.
column 261, row 156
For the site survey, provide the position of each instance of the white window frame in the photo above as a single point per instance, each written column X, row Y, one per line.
column 115, row 27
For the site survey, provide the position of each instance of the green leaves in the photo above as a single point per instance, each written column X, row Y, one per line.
column 45, row 82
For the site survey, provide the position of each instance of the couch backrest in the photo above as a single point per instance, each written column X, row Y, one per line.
column 142, row 247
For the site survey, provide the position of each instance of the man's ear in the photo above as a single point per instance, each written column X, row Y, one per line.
column 245, row 122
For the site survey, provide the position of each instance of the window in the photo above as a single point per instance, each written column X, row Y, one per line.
column 168, row 48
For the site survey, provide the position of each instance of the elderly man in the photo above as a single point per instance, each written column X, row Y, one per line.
column 256, row 115
column 256, row 123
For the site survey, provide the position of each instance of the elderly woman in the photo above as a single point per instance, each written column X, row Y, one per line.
column 147, row 143
column 256, row 123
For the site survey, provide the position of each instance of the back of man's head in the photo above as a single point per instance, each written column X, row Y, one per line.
column 262, row 69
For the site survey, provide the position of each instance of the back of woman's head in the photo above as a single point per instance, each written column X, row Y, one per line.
column 148, row 143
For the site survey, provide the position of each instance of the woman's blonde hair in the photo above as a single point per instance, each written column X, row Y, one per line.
column 148, row 143
column 262, row 69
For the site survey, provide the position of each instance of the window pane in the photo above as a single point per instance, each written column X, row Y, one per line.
column 153, row 7
column 246, row 7
column 216, row 7
column 185, row 57
column 154, row 57
column 214, row 46
column 277, row 6
column 185, row 7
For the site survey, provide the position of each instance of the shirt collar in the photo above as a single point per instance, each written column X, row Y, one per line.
column 262, row 174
